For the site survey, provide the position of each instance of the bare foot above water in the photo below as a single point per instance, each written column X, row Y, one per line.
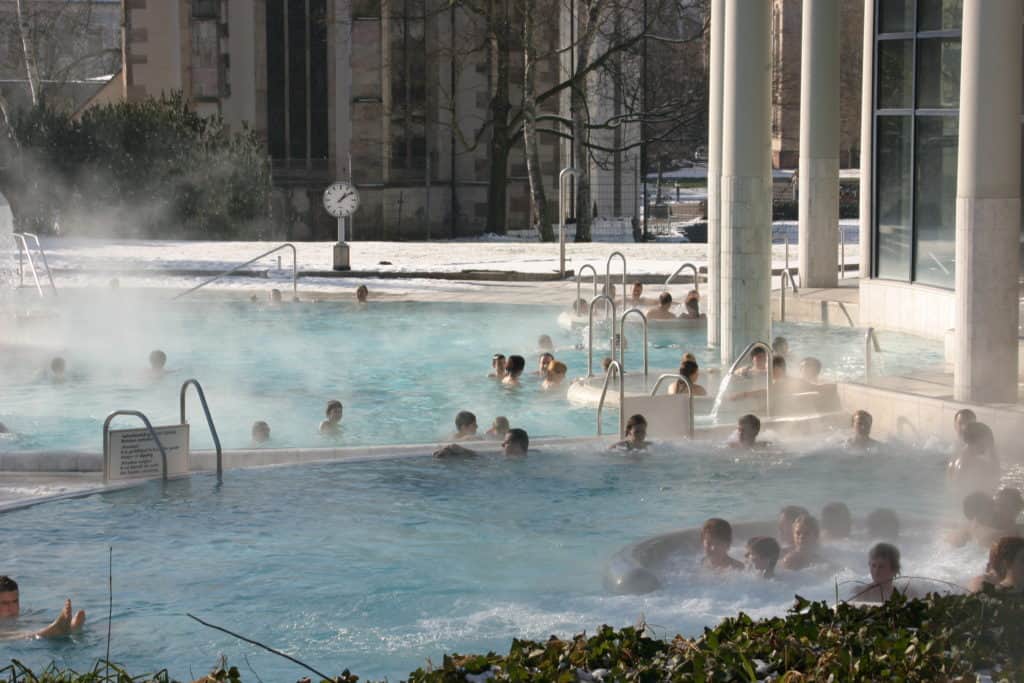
column 64, row 624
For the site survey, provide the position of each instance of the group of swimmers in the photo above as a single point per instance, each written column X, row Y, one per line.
column 362, row 294
column 657, row 309
column 509, row 369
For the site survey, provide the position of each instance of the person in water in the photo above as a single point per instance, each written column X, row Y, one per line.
column 542, row 363
column 836, row 521
column 1008, row 504
column 691, row 306
column 661, row 311
column 275, row 296
column 1005, row 569
column 332, row 425
column 513, row 369
column 961, row 419
column 497, row 366
column 747, row 429
column 780, row 347
column 636, row 297
column 861, row 439
column 362, row 293
column 636, row 434
column 810, row 371
column 691, row 372
column 157, row 363
column 260, row 432
column 10, row 608
column 787, row 517
column 499, row 428
column 554, row 374
column 977, row 466
column 806, row 544
column 716, row 538
column 544, row 343
column 465, row 426
column 758, row 364
column 762, row 555
column 58, row 370
column 884, row 566
column 4, row 429
column 979, row 515
column 515, row 444
column 606, row 362
column 883, row 523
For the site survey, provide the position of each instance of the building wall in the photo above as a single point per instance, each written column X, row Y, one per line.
column 156, row 41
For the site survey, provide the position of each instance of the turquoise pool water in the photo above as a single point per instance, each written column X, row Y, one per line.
column 377, row 566
column 402, row 370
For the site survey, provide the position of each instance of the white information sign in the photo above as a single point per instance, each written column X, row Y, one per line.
column 133, row 454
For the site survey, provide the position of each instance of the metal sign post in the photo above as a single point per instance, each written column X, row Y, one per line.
column 567, row 172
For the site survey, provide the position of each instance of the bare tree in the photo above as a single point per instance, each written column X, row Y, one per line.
column 539, row 218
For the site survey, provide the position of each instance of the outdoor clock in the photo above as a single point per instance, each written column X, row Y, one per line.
column 341, row 199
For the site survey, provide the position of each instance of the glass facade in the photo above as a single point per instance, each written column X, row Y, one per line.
column 916, row 108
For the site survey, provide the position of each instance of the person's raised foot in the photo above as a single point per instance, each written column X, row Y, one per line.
column 64, row 624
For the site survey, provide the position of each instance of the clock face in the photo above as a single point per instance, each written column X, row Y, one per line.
column 341, row 199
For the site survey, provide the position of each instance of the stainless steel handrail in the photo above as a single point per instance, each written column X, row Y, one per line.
column 622, row 339
column 590, row 331
column 787, row 274
column 870, row 341
column 768, row 376
column 106, row 444
column 680, row 269
column 42, row 253
column 608, row 274
column 691, row 427
column 286, row 245
column 613, row 369
column 23, row 245
column 579, row 279
column 567, row 172
column 209, row 420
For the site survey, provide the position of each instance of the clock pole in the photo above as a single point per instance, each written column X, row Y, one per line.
column 341, row 250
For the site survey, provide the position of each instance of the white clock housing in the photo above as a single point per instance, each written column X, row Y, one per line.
column 341, row 199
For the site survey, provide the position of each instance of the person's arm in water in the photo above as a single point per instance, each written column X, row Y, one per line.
column 454, row 450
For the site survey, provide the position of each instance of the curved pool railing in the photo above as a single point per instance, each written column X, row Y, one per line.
column 152, row 432
column 680, row 269
column 690, row 422
column 579, row 280
column 622, row 339
column 590, row 331
column 286, row 245
column 769, row 375
column 786, row 275
column 870, row 342
column 608, row 274
column 209, row 420
column 613, row 369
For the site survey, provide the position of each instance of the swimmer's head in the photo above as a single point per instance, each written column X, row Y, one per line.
column 716, row 536
column 688, row 356
column 465, row 423
column 10, row 606
column 963, row 417
column 606, row 362
column 759, row 358
column 690, row 371
column 516, row 442
column 260, row 432
column 500, row 426
column 1004, row 555
column 157, row 360
column 334, row 410
column 638, row 289
column 275, row 296
column 57, row 366
column 498, row 363
column 543, row 361
column 636, row 428
column 978, row 438
column 1008, row 504
column 763, row 554
column 692, row 302
column 883, row 523
column 361, row 293
column 806, row 532
column 780, row 346
column 861, row 423
column 810, row 369
column 778, row 367
column 544, row 343
column 979, row 507
column 787, row 516
column 884, row 562
column 556, row 370
column 515, row 365
column 665, row 300
column 747, row 429
column 836, row 521
column 4, row 429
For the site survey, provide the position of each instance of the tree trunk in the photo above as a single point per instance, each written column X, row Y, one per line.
column 28, row 50
column 497, row 188
column 580, row 120
column 539, row 215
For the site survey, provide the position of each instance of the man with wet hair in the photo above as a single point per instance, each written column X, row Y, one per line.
column 861, row 439
column 333, row 412
column 260, row 432
column 10, row 607
column 465, row 426
column 836, row 521
column 747, row 429
column 762, row 555
column 661, row 311
column 513, row 369
column 758, row 363
column 157, row 362
column 497, row 366
column 716, row 538
column 516, row 442
column 810, row 370
column 542, row 363
column 362, row 293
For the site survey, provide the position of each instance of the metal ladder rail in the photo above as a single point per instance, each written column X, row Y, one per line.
column 768, row 376
column 23, row 248
column 613, row 369
column 579, row 280
column 608, row 274
column 152, row 432
column 590, row 331
column 690, row 427
column 209, row 420
column 622, row 339
column 42, row 253
column 680, row 269
column 286, row 245
column 787, row 275
column 870, row 341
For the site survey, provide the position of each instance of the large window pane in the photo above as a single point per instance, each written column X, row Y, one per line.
column 893, row 196
column 939, row 15
column 895, row 16
column 935, row 199
column 938, row 73
column 895, row 72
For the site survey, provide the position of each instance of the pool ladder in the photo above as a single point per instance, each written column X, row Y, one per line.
column 25, row 253
column 209, row 420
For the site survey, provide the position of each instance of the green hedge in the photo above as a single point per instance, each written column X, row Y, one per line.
column 152, row 168
column 939, row 638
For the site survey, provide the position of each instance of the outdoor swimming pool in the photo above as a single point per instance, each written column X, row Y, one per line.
column 377, row 566
column 402, row 370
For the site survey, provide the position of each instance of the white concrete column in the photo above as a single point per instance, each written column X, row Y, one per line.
column 867, row 118
column 819, row 143
column 712, row 302
column 988, row 203
column 746, row 177
column 340, row 90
